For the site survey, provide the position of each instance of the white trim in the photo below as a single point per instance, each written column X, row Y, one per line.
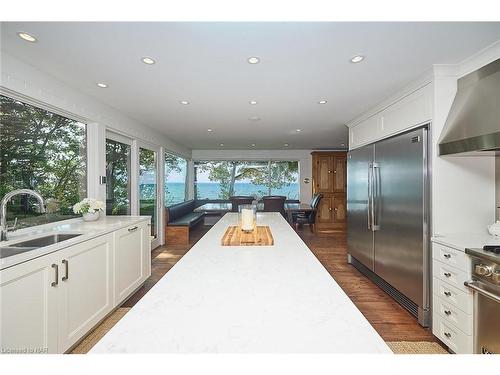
column 118, row 137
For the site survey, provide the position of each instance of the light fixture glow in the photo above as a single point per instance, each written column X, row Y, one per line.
column 102, row 85
column 253, row 102
column 254, row 118
column 357, row 59
column 253, row 60
column 286, row 145
column 184, row 102
column 222, row 145
column 298, row 130
column 253, row 145
column 148, row 60
column 27, row 37
column 323, row 101
column 209, row 130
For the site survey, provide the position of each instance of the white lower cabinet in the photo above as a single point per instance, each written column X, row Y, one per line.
column 86, row 288
column 28, row 321
column 132, row 261
column 452, row 317
column 49, row 303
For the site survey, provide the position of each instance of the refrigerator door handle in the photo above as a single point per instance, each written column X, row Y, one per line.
column 375, row 195
column 369, row 209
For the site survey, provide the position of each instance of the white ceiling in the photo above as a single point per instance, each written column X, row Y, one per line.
column 206, row 64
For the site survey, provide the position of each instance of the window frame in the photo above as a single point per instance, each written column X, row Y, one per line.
column 186, row 177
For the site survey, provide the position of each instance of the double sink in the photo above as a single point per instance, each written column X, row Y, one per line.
column 36, row 243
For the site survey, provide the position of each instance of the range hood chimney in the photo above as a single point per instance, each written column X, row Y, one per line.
column 473, row 123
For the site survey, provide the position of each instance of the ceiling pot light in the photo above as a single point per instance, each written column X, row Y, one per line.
column 209, row 130
column 253, row 102
column 357, row 59
column 286, row 145
column 27, row 37
column 254, row 118
column 102, row 85
column 148, row 60
column 253, row 60
column 221, row 145
column 253, row 145
column 323, row 101
column 184, row 102
column 298, row 130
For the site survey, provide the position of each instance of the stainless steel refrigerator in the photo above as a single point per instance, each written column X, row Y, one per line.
column 388, row 217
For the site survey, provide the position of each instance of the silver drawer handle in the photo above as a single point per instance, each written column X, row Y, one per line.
column 132, row 229
column 56, row 267
column 447, row 312
column 447, row 256
column 447, row 334
column 66, row 270
column 447, row 274
column 447, row 294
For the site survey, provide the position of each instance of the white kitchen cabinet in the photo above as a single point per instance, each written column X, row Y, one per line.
column 132, row 259
column 28, row 299
column 406, row 113
column 86, row 292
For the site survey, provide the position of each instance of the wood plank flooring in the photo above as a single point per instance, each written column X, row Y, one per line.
column 390, row 320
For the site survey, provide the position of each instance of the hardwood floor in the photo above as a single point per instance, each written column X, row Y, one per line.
column 390, row 320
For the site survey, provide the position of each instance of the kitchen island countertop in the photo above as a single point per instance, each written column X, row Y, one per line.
column 276, row 299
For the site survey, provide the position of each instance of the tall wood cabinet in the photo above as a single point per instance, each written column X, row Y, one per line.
column 329, row 178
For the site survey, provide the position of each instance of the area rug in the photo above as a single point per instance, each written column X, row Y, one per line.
column 416, row 347
column 98, row 333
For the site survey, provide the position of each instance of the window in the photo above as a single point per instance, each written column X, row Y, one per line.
column 148, row 186
column 175, row 179
column 45, row 152
column 222, row 179
column 117, row 177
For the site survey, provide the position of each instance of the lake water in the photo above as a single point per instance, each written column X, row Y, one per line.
column 175, row 191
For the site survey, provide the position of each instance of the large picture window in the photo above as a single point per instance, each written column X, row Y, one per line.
column 222, row 179
column 175, row 179
column 45, row 152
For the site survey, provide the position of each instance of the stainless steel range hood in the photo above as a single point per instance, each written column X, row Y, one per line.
column 473, row 123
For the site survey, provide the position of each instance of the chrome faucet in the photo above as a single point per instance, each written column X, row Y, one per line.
column 3, row 209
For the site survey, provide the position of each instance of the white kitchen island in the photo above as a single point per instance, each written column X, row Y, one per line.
column 277, row 299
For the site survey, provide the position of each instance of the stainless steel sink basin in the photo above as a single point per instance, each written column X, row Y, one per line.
column 24, row 246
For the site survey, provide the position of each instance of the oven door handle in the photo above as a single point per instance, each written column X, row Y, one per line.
column 474, row 286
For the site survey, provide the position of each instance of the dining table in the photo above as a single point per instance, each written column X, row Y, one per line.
column 223, row 207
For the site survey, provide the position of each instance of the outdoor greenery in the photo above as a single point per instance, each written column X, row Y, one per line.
column 270, row 174
column 118, row 178
column 42, row 151
column 147, row 189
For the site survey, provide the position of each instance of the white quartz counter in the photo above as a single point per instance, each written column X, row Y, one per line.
column 277, row 299
column 461, row 241
column 88, row 230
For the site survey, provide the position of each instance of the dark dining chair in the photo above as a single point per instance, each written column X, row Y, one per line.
column 308, row 217
column 237, row 201
column 274, row 203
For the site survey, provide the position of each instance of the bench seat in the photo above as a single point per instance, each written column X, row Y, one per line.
column 188, row 220
column 179, row 219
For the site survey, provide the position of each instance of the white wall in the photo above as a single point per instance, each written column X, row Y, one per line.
column 28, row 81
column 497, row 184
column 303, row 156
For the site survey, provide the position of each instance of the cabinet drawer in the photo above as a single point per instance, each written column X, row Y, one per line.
column 452, row 314
column 451, row 336
column 450, row 275
column 454, row 258
column 453, row 296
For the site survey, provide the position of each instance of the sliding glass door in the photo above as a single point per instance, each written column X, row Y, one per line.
column 118, row 175
column 148, row 188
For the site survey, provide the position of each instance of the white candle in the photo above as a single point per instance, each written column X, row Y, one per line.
column 246, row 219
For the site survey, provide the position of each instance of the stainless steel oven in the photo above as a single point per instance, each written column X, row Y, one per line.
column 485, row 284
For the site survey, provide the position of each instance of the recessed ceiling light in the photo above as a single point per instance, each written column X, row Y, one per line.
column 27, row 37
column 286, row 145
column 357, row 59
column 221, row 145
column 253, row 60
column 148, row 60
column 323, row 101
column 209, row 130
column 298, row 130
column 184, row 102
column 253, row 145
column 254, row 118
column 253, row 102
column 102, row 85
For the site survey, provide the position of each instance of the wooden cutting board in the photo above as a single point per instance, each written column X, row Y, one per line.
column 235, row 237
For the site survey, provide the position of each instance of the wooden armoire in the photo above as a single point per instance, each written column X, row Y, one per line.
column 329, row 178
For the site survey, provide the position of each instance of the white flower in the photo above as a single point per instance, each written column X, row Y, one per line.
column 77, row 208
column 88, row 205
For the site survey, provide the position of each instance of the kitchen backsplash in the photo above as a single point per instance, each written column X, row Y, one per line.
column 497, row 184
